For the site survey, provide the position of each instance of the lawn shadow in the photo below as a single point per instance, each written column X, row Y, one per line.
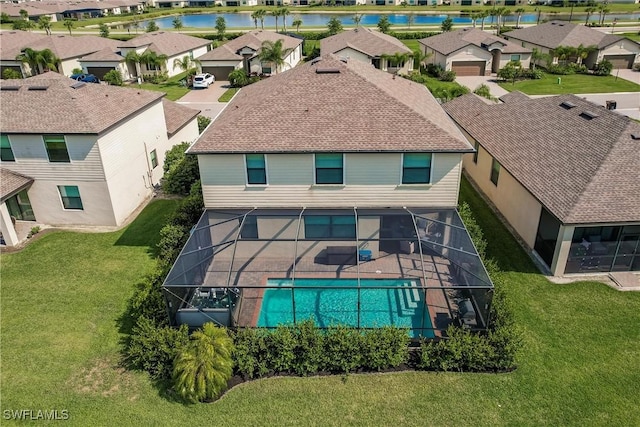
column 145, row 229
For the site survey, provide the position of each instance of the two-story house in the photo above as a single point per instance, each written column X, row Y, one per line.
column 88, row 154
column 331, row 193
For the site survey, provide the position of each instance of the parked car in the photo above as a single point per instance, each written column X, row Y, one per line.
column 203, row 80
column 87, row 78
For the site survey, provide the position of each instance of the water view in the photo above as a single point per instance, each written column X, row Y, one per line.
column 319, row 20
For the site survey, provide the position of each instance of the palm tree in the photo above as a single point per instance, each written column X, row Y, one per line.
column 135, row 23
column 261, row 13
column 519, row 12
column 563, row 53
column 133, row 56
column 274, row 53
column 24, row 14
column 602, row 8
column 582, row 52
column 152, row 59
column 30, row 57
column 419, row 57
column 177, row 23
column 284, row 12
column 589, row 11
column 69, row 24
column 186, row 63
column 48, row 60
column 296, row 23
column 483, row 16
column 276, row 14
column 474, row 17
column 410, row 19
column 255, row 15
column 201, row 370
column 39, row 61
column 356, row 19
column 396, row 60
column 44, row 23
column 238, row 78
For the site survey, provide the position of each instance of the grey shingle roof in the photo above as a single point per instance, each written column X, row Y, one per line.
column 252, row 39
column 104, row 55
column 176, row 115
column 366, row 40
column 560, row 33
column 166, row 43
column 582, row 171
column 12, row 42
column 11, row 183
column 330, row 105
column 451, row 41
column 91, row 108
column 65, row 46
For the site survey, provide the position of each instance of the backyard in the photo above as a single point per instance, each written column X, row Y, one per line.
column 552, row 84
column 63, row 299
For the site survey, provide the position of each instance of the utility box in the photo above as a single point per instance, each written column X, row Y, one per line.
column 611, row 105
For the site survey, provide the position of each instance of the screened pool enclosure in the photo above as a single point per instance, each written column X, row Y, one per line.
column 365, row 268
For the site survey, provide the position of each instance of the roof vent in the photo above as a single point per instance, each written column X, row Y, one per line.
column 344, row 59
column 588, row 115
column 38, row 88
column 635, row 135
column 327, row 71
column 77, row 85
column 567, row 105
column 315, row 60
column 13, row 88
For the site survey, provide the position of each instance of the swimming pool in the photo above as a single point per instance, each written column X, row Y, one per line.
column 329, row 302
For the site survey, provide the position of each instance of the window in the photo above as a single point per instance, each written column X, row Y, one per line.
column 416, row 168
column 515, row 58
column 70, row 197
column 249, row 228
column 495, row 171
column 330, row 227
column 329, row 168
column 256, row 169
column 154, row 159
column 56, row 148
column 475, row 155
column 6, row 153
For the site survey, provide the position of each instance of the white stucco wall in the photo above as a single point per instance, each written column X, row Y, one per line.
column 188, row 133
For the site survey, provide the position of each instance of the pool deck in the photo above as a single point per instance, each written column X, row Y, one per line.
column 257, row 270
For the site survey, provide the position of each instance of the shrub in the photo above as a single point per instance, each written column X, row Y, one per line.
column 385, row 348
column 417, row 77
column 474, row 230
column 308, row 350
column 9, row 74
column 603, row 68
column 172, row 238
column 181, row 170
column 342, row 350
column 281, row 347
column 434, row 70
column 484, row 91
column 532, row 74
column 77, row 71
column 148, row 300
column 462, row 350
column 250, row 352
column 156, row 78
column 113, row 77
column 154, row 348
column 447, row 76
column 34, row 230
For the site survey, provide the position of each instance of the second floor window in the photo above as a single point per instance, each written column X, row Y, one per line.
column 256, row 169
column 495, row 171
column 416, row 168
column 154, row 159
column 56, row 148
column 6, row 153
column 329, row 168
column 475, row 155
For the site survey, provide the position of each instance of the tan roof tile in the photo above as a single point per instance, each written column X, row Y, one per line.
column 65, row 46
column 13, row 42
column 451, row 41
column 166, row 43
column 582, row 171
column 104, row 55
column 90, row 108
column 366, row 40
column 329, row 105
column 252, row 39
column 12, row 182
column 176, row 115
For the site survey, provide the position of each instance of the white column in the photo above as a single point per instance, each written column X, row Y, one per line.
column 6, row 226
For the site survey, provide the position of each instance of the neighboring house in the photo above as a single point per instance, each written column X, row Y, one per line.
column 92, row 153
column 567, row 182
column 369, row 46
column 68, row 49
column 101, row 62
column 173, row 45
column 620, row 51
column 473, row 52
column 244, row 51
column 60, row 10
column 332, row 170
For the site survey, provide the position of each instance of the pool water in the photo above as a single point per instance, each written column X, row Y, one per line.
column 330, row 302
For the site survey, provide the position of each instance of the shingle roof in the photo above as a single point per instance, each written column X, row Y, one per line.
column 582, row 171
column 560, row 33
column 176, row 115
column 12, row 182
column 366, row 40
column 252, row 39
column 328, row 105
column 91, row 108
column 104, row 55
column 166, row 43
column 515, row 96
column 451, row 41
column 12, row 43
column 65, row 46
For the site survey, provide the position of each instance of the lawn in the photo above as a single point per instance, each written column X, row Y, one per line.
column 576, row 83
column 412, row 44
column 632, row 36
column 228, row 94
column 62, row 298
column 171, row 87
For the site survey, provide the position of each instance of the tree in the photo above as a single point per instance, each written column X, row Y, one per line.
column 296, row 23
column 582, row 52
column 104, row 30
column 44, row 23
column 384, row 25
column 48, row 60
column 177, row 23
column 474, row 17
column 135, row 23
column 203, row 122
column 447, row 24
column 356, row 19
column 24, row 14
column 483, row 15
column 255, row 16
column 537, row 56
column 69, row 24
column 397, row 60
column 261, row 14
column 134, row 57
column 186, row 63
column 5, row 18
column 284, row 12
column 221, row 27
column 419, row 57
column 334, row 26
column 30, row 57
column 274, row 53
column 563, row 53
column 603, row 9
column 589, row 11
column 603, row 68
column 113, row 77
column 152, row 26
column 511, row 71
column 411, row 17
column 238, row 78
column 39, row 61
column 519, row 12
column 154, row 61
column 202, row 369
column 276, row 14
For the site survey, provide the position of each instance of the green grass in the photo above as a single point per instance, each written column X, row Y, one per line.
column 434, row 84
column 172, row 87
column 575, row 83
column 412, row 44
column 632, row 36
column 63, row 295
column 228, row 94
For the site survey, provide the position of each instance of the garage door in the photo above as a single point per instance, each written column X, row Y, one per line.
column 469, row 68
column 99, row 72
column 620, row 61
column 220, row 73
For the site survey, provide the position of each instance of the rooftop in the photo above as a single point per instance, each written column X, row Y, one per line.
column 177, row 115
column 252, row 39
column 338, row 106
column 577, row 158
column 11, row 183
column 451, row 41
column 164, row 42
column 366, row 40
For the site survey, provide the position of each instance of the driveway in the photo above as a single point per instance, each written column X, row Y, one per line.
column 206, row 100
column 472, row 82
column 627, row 74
